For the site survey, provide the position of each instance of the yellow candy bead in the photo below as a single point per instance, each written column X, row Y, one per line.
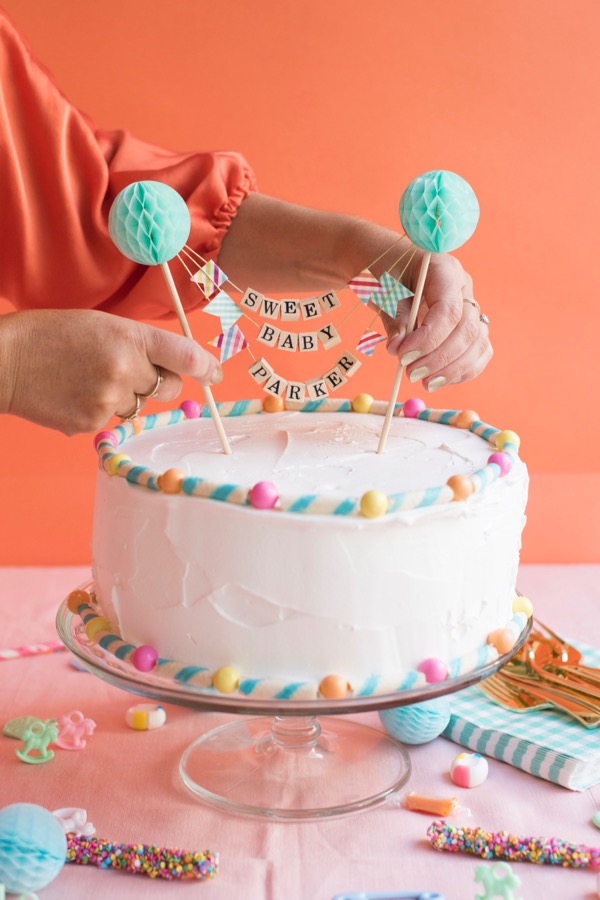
column 466, row 418
column 75, row 599
column 374, row 504
column 226, row 680
column 115, row 461
column 524, row 605
column 502, row 640
column 273, row 404
column 94, row 626
column 461, row 486
column 171, row 480
column 362, row 403
column 507, row 437
column 333, row 687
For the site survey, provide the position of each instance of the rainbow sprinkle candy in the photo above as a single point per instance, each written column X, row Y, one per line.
column 512, row 847
column 142, row 859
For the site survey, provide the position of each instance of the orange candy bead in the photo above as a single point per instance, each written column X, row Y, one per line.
column 76, row 598
column 466, row 418
column 502, row 640
column 137, row 425
column 333, row 687
column 462, row 486
column 170, row 481
column 273, row 404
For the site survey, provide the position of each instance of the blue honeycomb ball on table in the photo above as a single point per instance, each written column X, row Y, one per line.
column 149, row 222
column 439, row 211
column 33, row 847
column 417, row 724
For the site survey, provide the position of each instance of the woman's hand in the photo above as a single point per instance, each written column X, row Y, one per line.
column 450, row 343
column 73, row 370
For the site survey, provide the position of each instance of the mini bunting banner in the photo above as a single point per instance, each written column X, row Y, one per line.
column 394, row 291
column 368, row 342
column 230, row 342
column 366, row 287
column 209, row 278
column 225, row 308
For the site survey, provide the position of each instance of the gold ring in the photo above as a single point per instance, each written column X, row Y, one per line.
column 132, row 415
column 154, row 392
column 473, row 302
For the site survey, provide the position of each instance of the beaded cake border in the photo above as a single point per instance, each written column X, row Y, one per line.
column 504, row 444
column 99, row 631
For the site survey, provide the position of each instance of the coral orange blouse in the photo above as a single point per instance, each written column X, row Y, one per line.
column 58, row 177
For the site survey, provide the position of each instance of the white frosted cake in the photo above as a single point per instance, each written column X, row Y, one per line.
column 187, row 559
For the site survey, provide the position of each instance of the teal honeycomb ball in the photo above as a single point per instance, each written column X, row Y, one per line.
column 149, row 222
column 33, row 847
column 419, row 723
column 439, row 211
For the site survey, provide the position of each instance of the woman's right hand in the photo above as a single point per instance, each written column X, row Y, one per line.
column 72, row 370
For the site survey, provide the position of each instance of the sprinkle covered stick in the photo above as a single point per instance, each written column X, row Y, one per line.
column 512, row 847
column 142, row 859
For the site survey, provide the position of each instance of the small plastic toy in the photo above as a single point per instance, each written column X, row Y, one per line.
column 33, row 847
column 417, row 724
column 469, row 770
column 72, row 728
column 74, row 821
column 36, row 738
column 497, row 881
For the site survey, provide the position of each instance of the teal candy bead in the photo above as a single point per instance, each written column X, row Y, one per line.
column 419, row 723
column 33, row 847
column 149, row 222
column 439, row 211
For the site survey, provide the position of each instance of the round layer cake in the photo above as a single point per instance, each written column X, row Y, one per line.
column 310, row 587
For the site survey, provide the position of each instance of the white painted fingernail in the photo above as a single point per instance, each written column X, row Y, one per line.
column 410, row 357
column 217, row 375
column 417, row 374
column 436, row 383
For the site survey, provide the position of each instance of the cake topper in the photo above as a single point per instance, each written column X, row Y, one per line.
column 150, row 223
column 439, row 212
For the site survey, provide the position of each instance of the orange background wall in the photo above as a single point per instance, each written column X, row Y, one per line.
column 339, row 104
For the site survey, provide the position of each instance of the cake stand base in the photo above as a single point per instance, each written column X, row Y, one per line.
column 294, row 768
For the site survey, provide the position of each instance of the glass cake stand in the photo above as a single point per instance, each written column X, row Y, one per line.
column 286, row 762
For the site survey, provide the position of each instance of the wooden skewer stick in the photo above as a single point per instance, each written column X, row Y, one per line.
column 210, row 400
column 414, row 310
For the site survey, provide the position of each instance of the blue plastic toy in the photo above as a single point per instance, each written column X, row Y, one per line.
column 439, row 211
column 149, row 222
column 33, row 847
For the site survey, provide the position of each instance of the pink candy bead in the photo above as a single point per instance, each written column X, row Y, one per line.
column 412, row 407
column 503, row 460
column 191, row 409
column 264, row 495
column 105, row 436
column 144, row 658
column 433, row 669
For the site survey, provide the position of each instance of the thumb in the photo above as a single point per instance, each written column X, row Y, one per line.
column 181, row 355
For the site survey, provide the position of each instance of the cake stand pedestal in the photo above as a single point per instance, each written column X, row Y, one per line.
column 293, row 760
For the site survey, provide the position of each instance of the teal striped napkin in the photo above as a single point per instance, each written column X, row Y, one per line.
column 547, row 743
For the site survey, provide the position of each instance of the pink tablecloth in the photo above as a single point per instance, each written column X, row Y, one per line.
column 128, row 781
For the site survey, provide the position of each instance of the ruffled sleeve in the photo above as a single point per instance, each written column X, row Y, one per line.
column 59, row 177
